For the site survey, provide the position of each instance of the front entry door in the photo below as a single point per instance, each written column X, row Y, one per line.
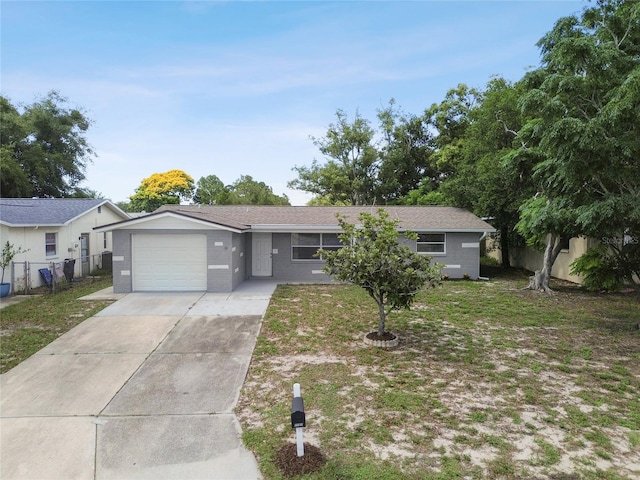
column 84, row 254
column 261, row 255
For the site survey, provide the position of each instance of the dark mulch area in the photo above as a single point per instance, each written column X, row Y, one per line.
column 291, row 465
column 386, row 336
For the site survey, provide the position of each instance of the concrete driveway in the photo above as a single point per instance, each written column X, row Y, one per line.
column 143, row 390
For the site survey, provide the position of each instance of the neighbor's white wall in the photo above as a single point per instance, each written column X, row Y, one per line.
column 531, row 259
column 33, row 239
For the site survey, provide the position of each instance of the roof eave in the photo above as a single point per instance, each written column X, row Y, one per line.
column 455, row 230
column 135, row 221
column 317, row 228
column 31, row 225
column 293, row 228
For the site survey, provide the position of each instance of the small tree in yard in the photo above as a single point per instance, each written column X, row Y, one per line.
column 8, row 254
column 373, row 258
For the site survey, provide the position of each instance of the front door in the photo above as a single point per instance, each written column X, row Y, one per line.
column 84, row 254
column 261, row 254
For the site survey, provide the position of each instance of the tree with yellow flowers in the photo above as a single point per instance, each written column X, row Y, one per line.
column 160, row 189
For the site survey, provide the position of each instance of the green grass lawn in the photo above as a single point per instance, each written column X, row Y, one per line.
column 32, row 324
column 489, row 381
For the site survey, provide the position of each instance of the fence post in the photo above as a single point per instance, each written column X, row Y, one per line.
column 27, row 278
column 13, row 276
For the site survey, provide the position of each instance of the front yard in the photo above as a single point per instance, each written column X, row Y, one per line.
column 489, row 381
column 32, row 324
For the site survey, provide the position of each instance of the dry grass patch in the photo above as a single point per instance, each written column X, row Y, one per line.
column 32, row 324
column 489, row 381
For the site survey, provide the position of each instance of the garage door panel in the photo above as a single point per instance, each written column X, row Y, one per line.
column 169, row 262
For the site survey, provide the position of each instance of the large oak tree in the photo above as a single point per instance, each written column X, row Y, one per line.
column 349, row 175
column 245, row 191
column 43, row 151
column 584, row 127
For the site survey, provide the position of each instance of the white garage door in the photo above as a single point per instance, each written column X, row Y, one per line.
column 169, row 262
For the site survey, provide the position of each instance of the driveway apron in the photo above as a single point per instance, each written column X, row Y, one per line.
column 143, row 390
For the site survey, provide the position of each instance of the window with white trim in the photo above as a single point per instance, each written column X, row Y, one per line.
column 431, row 243
column 304, row 246
column 51, row 244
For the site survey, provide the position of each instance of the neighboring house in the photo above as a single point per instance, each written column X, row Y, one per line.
column 531, row 259
column 215, row 248
column 55, row 229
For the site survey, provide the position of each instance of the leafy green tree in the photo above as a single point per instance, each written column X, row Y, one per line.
column 124, row 206
column 79, row 192
column 247, row 191
column 610, row 264
column 405, row 155
column 473, row 132
column 425, row 195
column 319, row 201
column 43, row 150
column 14, row 181
column 350, row 172
column 449, row 121
column 374, row 259
column 487, row 179
column 360, row 170
column 545, row 222
column 9, row 252
column 160, row 189
column 584, row 126
column 210, row 191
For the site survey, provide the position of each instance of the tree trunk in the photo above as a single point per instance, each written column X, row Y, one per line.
column 540, row 279
column 383, row 317
column 504, row 247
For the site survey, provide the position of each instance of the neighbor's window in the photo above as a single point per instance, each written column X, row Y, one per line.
column 431, row 243
column 305, row 245
column 50, row 244
column 104, row 240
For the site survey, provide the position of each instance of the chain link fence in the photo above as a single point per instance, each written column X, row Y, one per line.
column 27, row 276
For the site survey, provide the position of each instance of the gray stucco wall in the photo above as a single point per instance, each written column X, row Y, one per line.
column 225, row 248
column 121, row 261
column 239, row 258
column 287, row 270
column 462, row 255
column 220, row 253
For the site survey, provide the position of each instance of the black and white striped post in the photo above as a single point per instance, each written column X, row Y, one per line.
column 298, row 420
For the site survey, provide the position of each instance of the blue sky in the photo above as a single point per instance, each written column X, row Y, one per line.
column 237, row 88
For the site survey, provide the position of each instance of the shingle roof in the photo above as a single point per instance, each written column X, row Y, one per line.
column 256, row 216
column 44, row 211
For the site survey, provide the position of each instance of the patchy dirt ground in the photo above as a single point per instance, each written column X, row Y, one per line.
column 488, row 382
